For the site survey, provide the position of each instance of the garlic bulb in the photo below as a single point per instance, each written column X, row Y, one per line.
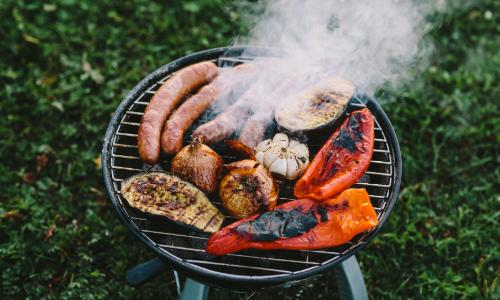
column 283, row 156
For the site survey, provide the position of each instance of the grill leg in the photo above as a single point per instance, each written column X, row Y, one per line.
column 350, row 280
column 145, row 271
column 194, row 290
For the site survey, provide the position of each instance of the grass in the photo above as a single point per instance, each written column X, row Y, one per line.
column 65, row 67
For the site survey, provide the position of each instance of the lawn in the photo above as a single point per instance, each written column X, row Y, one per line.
column 64, row 68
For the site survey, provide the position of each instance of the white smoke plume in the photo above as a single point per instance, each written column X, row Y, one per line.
column 368, row 42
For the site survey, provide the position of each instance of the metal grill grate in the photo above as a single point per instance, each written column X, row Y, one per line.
column 187, row 246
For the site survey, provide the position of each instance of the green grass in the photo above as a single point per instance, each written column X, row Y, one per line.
column 65, row 67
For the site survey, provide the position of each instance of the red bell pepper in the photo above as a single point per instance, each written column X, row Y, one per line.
column 342, row 160
column 299, row 225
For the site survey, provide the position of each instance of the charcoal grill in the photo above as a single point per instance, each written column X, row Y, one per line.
column 183, row 249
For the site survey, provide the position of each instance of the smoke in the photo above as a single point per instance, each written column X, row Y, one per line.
column 368, row 42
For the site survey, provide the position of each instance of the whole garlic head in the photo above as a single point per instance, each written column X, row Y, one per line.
column 283, row 156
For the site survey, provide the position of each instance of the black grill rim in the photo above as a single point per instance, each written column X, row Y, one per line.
column 214, row 278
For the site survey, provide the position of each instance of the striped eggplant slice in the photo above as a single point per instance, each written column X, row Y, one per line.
column 167, row 195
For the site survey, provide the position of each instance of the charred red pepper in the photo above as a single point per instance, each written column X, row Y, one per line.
column 342, row 160
column 299, row 225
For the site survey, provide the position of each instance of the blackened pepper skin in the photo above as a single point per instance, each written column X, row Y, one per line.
column 342, row 160
column 323, row 212
column 299, row 225
column 279, row 223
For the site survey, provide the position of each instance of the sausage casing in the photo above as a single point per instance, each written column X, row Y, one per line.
column 255, row 127
column 224, row 124
column 193, row 108
column 184, row 116
column 164, row 102
column 229, row 121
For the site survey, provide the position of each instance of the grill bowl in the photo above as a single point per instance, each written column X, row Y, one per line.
column 183, row 249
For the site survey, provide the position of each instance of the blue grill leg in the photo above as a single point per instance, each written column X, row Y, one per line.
column 350, row 280
column 145, row 271
column 139, row 274
column 194, row 290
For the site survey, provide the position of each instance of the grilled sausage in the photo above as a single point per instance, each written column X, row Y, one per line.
column 224, row 124
column 228, row 121
column 189, row 111
column 184, row 116
column 255, row 127
column 164, row 102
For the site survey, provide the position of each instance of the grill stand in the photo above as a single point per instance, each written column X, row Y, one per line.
column 349, row 278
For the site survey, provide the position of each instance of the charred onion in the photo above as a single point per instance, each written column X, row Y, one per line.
column 198, row 164
column 247, row 188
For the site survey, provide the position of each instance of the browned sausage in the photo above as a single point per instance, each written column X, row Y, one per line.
column 255, row 127
column 184, row 116
column 164, row 101
column 224, row 124
column 228, row 121
column 189, row 111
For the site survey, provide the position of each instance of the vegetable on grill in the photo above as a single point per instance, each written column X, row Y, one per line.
column 283, row 156
column 198, row 164
column 299, row 225
column 167, row 195
column 247, row 188
column 342, row 160
column 240, row 149
column 316, row 107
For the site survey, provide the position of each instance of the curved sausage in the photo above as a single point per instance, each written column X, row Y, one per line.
column 193, row 108
column 164, row 102
column 255, row 127
column 228, row 121
column 184, row 116
column 224, row 124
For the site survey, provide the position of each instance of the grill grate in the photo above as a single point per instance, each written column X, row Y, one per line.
column 188, row 246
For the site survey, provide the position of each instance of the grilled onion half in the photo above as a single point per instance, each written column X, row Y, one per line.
column 247, row 188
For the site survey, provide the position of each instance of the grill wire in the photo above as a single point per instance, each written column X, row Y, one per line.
column 188, row 246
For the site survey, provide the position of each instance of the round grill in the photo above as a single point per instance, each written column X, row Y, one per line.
column 183, row 249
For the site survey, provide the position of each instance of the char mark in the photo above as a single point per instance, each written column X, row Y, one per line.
column 277, row 224
column 323, row 212
column 349, row 136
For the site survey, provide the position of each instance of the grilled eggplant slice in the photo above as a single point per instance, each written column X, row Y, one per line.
column 315, row 107
column 167, row 195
